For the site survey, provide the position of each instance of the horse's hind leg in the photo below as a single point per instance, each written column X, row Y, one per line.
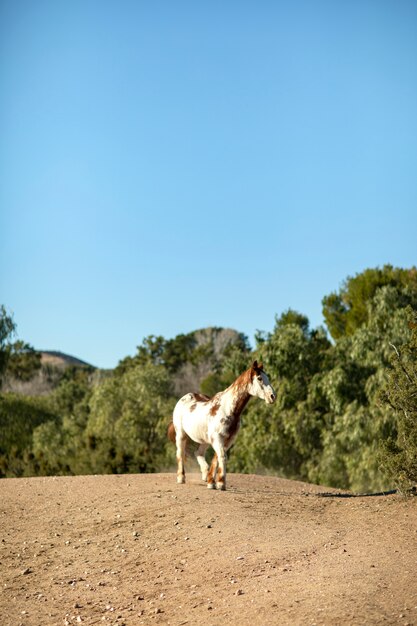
column 211, row 476
column 201, row 460
column 180, row 441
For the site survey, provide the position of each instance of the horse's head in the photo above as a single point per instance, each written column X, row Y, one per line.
column 260, row 385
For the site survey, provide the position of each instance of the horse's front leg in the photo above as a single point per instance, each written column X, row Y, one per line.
column 220, row 451
column 211, row 476
column 180, row 441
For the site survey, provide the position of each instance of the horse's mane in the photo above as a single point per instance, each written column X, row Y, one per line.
column 246, row 377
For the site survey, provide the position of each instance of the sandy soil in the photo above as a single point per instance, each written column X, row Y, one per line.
column 140, row 549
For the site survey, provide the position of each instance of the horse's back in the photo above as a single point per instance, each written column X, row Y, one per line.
column 184, row 404
column 190, row 401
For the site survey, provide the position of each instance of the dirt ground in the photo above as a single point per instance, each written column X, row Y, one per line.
column 140, row 549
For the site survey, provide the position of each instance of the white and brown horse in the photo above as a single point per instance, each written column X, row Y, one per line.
column 215, row 422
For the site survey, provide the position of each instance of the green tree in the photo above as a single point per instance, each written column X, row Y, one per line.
column 60, row 446
column 155, row 350
column 355, row 422
column 19, row 416
column 7, row 330
column 24, row 361
column 347, row 310
column 128, row 419
column 19, row 359
column 399, row 454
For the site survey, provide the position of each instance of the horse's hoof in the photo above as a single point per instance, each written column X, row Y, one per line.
column 221, row 486
column 181, row 480
column 210, row 485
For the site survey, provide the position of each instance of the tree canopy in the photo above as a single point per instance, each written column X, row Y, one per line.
column 7, row 329
column 347, row 310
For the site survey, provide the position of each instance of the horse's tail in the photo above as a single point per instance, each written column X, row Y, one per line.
column 171, row 432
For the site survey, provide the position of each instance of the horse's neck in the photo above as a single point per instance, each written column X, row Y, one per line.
column 235, row 398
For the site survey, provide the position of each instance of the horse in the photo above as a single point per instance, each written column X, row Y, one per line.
column 215, row 422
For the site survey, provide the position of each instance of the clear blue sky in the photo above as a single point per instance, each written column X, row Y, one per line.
column 171, row 165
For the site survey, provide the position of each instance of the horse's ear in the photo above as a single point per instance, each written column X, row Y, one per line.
column 257, row 367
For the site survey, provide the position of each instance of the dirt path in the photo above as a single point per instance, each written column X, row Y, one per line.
column 139, row 549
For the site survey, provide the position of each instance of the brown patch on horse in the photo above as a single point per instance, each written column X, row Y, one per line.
column 234, row 420
column 201, row 397
column 171, row 432
column 241, row 403
column 214, row 408
column 212, row 470
column 198, row 397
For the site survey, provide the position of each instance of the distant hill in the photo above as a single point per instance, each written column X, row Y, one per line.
column 53, row 365
column 59, row 359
